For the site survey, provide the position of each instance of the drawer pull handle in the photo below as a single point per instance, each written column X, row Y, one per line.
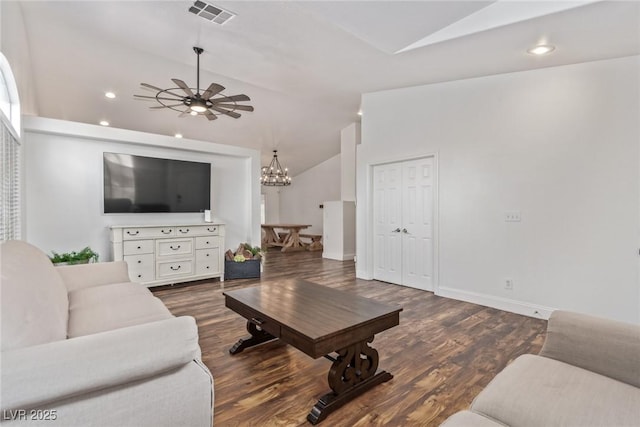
column 139, row 247
column 208, row 254
column 211, row 230
column 175, row 269
column 183, row 231
column 207, row 243
column 207, row 267
column 133, row 234
column 174, row 249
column 166, row 232
column 139, row 261
column 257, row 321
column 139, row 275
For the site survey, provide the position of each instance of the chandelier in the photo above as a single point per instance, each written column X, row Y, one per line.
column 274, row 174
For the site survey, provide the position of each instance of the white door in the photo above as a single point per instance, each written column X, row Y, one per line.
column 403, row 223
column 417, row 223
column 387, row 223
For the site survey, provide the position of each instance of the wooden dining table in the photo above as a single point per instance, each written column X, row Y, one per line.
column 289, row 239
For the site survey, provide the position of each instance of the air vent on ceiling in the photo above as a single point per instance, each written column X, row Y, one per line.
column 211, row 12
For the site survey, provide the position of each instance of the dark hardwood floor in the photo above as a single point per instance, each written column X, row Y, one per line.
column 441, row 355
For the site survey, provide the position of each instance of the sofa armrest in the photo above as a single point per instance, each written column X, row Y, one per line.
column 95, row 274
column 34, row 376
column 599, row 345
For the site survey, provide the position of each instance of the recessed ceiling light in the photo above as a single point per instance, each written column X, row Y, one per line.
column 104, row 123
column 110, row 95
column 541, row 49
column 178, row 135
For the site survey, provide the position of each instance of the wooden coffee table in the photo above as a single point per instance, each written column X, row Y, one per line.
column 318, row 321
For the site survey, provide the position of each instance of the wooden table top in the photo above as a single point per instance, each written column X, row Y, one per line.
column 315, row 319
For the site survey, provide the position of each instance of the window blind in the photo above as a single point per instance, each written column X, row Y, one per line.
column 10, row 211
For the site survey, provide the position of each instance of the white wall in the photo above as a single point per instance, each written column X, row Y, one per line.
column 349, row 138
column 272, row 204
column 559, row 144
column 16, row 50
column 63, row 184
column 299, row 202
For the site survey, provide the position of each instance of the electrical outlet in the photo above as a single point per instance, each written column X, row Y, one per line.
column 508, row 284
column 512, row 216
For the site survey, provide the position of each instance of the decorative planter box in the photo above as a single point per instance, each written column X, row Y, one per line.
column 249, row 269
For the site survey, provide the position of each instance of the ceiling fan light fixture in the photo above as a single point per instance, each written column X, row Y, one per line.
column 209, row 103
column 198, row 108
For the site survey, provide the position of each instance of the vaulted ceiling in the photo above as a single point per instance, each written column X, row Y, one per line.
column 304, row 64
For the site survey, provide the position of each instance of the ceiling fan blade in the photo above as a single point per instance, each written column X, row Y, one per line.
column 148, row 86
column 164, row 91
column 227, row 112
column 233, row 98
column 210, row 115
column 236, row 107
column 183, row 86
column 166, row 106
column 158, row 97
column 214, row 88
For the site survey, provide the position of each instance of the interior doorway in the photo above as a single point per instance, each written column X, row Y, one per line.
column 403, row 223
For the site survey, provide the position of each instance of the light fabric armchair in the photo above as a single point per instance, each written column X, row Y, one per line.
column 84, row 346
column 587, row 374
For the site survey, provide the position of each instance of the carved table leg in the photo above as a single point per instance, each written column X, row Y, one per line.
column 351, row 374
column 258, row 336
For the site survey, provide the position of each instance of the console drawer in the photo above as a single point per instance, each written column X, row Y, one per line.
column 140, row 267
column 147, row 232
column 207, row 242
column 174, row 247
column 185, row 231
column 205, row 230
column 168, row 269
column 254, row 317
column 135, row 247
column 208, row 261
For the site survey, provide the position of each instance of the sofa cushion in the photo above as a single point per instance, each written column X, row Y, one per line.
column 34, row 299
column 537, row 391
column 469, row 419
column 599, row 345
column 103, row 308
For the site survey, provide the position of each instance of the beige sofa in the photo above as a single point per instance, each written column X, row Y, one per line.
column 84, row 346
column 587, row 374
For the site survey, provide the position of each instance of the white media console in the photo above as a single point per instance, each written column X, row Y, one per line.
column 166, row 254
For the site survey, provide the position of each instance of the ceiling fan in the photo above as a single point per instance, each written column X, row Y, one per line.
column 211, row 103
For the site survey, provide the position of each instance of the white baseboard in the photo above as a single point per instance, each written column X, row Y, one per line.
column 513, row 306
column 338, row 256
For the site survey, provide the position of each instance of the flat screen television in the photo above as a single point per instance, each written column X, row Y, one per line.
column 138, row 184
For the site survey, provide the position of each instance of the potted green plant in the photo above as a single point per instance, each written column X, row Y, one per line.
column 244, row 263
column 84, row 256
column 256, row 251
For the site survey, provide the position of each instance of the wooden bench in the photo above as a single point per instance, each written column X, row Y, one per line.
column 316, row 241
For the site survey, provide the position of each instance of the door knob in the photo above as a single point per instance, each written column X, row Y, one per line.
column 404, row 230
column 397, row 230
